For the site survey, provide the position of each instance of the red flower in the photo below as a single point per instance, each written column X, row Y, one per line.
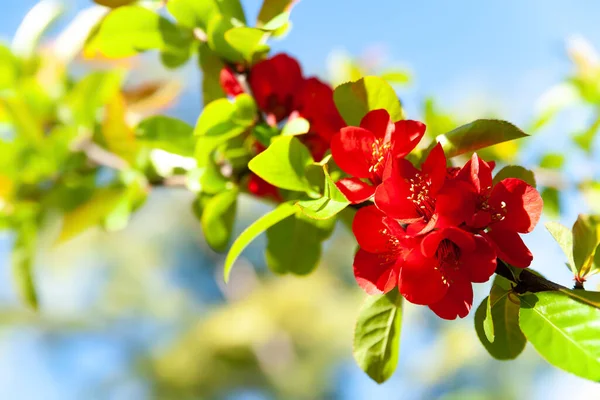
column 364, row 151
column 506, row 209
column 439, row 272
column 274, row 83
column 314, row 102
column 424, row 198
column 230, row 83
column 261, row 188
column 383, row 243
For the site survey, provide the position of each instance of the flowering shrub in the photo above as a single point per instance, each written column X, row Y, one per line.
column 428, row 214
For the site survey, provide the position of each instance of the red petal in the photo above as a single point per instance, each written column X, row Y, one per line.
column 391, row 197
column 435, row 167
column 375, row 273
column 522, row 205
column 509, row 247
column 229, row 82
column 464, row 240
column 480, row 264
column 455, row 203
column 420, row 280
column 372, row 234
column 477, row 172
column 379, row 123
column 274, row 82
column 406, row 137
column 355, row 190
column 314, row 102
column 457, row 302
column 352, row 150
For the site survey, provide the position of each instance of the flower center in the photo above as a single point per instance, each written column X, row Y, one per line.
column 379, row 152
column 419, row 195
column 496, row 213
column 448, row 256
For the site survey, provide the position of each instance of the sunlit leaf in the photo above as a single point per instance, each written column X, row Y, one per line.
column 192, row 13
column 377, row 335
column 168, row 134
column 503, row 339
column 331, row 203
column 271, row 10
column 355, row 99
column 119, row 136
column 294, row 244
column 249, row 42
column 564, row 238
column 282, row 211
column 129, row 30
column 552, row 161
column 565, row 331
column 297, row 126
column 477, row 135
column 114, row 3
column 551, row 199
column 396, row 76
column 218, row 217
column 211, row 65
column 586, row 237
column 283, row 164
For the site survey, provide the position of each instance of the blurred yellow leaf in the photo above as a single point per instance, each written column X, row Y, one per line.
column 119, row 136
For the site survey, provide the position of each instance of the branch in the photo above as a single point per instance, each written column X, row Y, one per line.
column 527, row 281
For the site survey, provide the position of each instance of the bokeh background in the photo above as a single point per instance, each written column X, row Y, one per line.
column 143, row 313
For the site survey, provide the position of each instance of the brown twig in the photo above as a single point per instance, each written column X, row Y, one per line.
column 526, row 281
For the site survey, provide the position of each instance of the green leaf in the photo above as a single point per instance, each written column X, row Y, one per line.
column 114, row 3
column 249, row 42
column 118, row 135
column 218, row 217
column 297, row 126
column 551, row 199
column 355, row 99
column 564, row 331
column 282, row 211
column 215, row 32
column 211, row 66
column 294, row 244
column 232, row 9
column 503, row 339
column 91, row 213
column 586, row 237
column 584, row 296
column 564, row 238
column 515, row 171
column 283, row 164
column 221, row 121
column 22, row 259
column 192, row 13
column 332, row 202
column 91, row 93
column 477, row 135
column 377, row 335
column 129, row 30
column 168, row 134
column 552, row 161
column 9, row 68
column 271, row 11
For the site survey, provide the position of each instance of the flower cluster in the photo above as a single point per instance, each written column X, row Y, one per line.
column 282, row 93
column 433, row 230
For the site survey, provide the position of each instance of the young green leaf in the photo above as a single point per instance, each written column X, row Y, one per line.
column 218, row 217
column 564, row 331
column 564, row 238
column 584, row 296
column 552, row 161
column 297, row 126
column 282, row 211
column 114, row 3
column 271, row 11
column 249, row 42
column 215, row 32
column 332, row 202
column 283, row 164
column 502, row 336
column 129, row 30
column 294, row 244
column 211, row 65
column 552, row 203
column 355, row 99
column 168, row 134
column 221, row 121
column 90, row 213
column 477, row 135
column 192, row 13
column 515, row 171
column 586, row 236
column 377, row 335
